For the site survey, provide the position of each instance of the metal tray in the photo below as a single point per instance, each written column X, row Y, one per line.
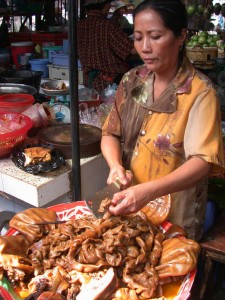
column 16, row 88
column 52, row 87
column 76, row 210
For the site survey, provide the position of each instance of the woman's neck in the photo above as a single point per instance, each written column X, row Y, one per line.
column 166, row 76
column 163, row 80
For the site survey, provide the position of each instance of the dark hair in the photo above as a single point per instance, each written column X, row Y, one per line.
column 98, row 6
column 172, row 12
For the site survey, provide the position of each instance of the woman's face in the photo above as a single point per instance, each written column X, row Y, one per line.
column 156, row 44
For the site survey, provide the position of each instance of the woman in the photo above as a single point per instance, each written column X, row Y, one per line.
column 103, row 47
column 166, row 117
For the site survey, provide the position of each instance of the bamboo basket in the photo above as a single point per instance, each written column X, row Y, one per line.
column 198, row 53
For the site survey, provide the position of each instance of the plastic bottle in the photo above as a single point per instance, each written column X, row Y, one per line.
column 38, row 50
column 4, row 34
column 40, row 114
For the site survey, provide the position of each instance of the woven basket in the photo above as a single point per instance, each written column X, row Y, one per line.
column 198, row 53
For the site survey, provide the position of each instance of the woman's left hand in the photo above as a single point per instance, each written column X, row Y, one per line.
column 129, row 201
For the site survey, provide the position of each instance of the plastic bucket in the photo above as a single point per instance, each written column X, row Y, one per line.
column 40, row 64
column 19, row 48
column 15, row 103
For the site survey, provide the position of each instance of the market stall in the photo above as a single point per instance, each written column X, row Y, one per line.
column 64, row 187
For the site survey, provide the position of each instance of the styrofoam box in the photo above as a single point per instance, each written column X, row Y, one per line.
column 62, row 73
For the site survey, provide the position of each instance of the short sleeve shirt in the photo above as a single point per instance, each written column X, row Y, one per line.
column 184, row 122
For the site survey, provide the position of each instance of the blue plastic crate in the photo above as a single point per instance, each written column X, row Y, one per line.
column 49, row 51
column 60, row 59
column 66, row 46
column 52, row 53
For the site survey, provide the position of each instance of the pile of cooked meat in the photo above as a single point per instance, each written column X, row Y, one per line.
column 123, row 257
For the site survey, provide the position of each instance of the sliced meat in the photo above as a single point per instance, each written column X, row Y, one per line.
column 158, row 210
column 50, row 296
column 99, row 289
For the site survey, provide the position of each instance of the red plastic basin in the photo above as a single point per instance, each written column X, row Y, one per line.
column 15, row 102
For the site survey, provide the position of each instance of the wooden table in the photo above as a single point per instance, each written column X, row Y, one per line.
column 212, row 251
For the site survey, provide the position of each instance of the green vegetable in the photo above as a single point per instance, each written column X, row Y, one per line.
column 7, row 286
column 191, row 9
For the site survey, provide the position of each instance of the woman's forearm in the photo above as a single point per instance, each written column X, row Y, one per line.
column 182, row 178
column 111, row 150
column 136, row 197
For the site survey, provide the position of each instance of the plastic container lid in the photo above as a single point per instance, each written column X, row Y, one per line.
column 39, row 61
column 52, row 48
column 15, row 100
column 22, row 44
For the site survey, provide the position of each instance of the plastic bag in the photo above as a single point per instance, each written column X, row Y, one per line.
column 57, row 160
column 108, row 94
column 93, row 115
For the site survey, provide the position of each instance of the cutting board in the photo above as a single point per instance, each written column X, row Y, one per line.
column 60, row 137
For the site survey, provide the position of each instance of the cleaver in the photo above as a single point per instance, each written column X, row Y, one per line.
column 106, row 192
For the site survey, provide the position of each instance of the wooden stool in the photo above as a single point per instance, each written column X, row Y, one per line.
column 213, row 250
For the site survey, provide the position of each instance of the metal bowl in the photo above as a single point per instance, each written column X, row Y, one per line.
column 51, row 87
column 59, row 136
column 15, row 88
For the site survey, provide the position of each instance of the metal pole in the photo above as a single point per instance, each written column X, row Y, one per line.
column 73, row 76
column 82, row 9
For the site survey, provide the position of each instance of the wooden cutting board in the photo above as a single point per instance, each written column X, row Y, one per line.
column 60, row 137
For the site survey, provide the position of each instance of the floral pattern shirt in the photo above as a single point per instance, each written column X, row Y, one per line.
column 158, row 137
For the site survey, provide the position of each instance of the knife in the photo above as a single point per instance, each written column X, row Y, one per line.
column 49, row 223
column 106, row 192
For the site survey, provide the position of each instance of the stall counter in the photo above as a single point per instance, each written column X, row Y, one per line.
column 27, row 190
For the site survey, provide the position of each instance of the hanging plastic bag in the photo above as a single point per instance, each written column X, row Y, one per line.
column 108, row 94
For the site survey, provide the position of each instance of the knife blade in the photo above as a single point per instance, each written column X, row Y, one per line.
column 107, row 192
column 49, row 223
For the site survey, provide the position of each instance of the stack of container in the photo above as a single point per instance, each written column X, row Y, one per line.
column 59, row 67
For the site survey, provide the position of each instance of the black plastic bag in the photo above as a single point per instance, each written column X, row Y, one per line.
column 57, row 160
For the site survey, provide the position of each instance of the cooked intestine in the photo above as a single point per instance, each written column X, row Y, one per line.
column 119, row 255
